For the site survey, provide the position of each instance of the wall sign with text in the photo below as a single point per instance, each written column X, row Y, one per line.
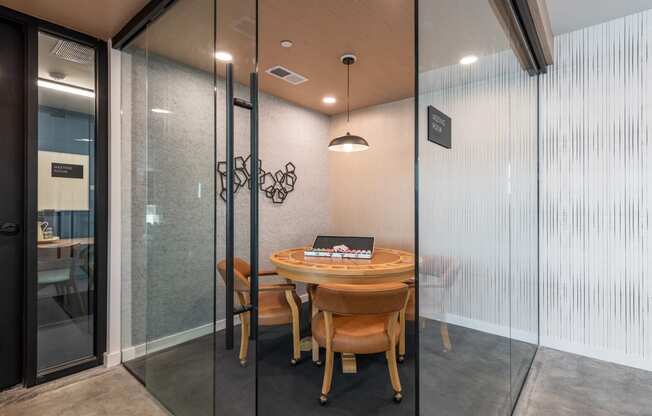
column 439, row 127
column 67, row 170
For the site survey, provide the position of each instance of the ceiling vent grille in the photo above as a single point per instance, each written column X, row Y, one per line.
column 73, row 52
column 285, row 74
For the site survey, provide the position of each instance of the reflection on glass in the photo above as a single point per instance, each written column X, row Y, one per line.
column 66, row 203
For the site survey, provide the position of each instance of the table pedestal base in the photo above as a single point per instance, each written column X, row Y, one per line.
column 306, row 344
column 348, row 363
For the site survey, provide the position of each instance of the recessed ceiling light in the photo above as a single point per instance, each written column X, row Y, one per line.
column 468, row 60
column 329, row 100
column 161, row 111
column 286, row 43
column 223, row 56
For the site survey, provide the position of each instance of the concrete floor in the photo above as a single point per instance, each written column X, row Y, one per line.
column 563, row 384
column 558, row 384
column 97, row 392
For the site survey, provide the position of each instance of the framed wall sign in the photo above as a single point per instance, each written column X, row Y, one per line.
column 439, row 127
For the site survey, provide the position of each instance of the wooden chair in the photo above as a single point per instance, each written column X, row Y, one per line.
column 446, row 268
column 278, row 304
column 359, row 319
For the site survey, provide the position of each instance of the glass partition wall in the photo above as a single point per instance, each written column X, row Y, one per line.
column 175, row 213
column 189, row 206
column 478, row 285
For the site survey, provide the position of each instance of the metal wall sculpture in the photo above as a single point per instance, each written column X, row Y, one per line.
column 276, row 186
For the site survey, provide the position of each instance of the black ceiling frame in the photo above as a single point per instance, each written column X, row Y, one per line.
column 524, row 20
column 139, row 22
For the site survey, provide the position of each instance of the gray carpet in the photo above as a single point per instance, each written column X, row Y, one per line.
column 472, row 379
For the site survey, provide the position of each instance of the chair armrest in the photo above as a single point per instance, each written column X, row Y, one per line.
column 267, row 273
column 276, row 286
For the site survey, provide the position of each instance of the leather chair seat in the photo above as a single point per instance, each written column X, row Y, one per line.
column 274, row 309
column 360, row 334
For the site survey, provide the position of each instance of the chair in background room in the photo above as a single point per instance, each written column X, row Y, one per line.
column 56, row 267
column 359, row 319
column 278, row 304
column 444, row 270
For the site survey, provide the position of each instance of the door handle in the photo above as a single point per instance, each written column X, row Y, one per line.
column 9, row 228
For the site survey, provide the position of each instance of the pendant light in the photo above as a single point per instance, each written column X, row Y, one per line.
column 348, row 142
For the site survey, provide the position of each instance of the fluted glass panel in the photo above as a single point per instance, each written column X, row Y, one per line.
column 478, row 233
column 595, row 193
column 523, row 227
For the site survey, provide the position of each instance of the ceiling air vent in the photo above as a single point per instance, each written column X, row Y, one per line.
column 285, row 74
column 73, row 52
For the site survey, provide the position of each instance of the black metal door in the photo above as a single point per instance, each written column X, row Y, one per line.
column 12, row 157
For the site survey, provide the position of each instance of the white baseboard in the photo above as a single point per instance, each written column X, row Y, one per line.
column 111, row 359
column 602, row 354
column 168, row 341
column 483, row 326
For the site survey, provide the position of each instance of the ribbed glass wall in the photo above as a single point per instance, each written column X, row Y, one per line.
column 477, row 214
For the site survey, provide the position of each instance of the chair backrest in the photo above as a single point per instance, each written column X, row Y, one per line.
column 346, row 299
column 241, row 272
column 439, row 271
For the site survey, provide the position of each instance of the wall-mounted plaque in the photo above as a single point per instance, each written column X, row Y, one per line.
column 63, row 181
column 439, row 127
column 67, row 170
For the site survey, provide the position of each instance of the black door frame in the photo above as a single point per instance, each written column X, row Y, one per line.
column 31, row 27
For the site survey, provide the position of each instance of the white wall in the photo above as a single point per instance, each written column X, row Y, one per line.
column 372, row 192
column 113, row 345
column 596, row 201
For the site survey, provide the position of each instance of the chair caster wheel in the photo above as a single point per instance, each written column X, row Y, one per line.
column 293, row 362
column 401, row 358
column 398, row 397
column 323, row 400
column 243, row 363
column 317, row 363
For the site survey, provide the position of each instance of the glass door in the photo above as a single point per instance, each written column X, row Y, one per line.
column 67, row 218
column 477, row 211
column 188, row 279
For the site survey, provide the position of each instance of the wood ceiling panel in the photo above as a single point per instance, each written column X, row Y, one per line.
column 101, row 19
column 379, row 32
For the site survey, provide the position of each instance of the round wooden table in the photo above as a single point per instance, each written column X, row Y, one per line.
column 386, row 265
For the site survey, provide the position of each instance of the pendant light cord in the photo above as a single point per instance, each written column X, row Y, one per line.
column 348, row 112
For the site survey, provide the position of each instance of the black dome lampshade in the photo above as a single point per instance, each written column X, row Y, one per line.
column 348, row 142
